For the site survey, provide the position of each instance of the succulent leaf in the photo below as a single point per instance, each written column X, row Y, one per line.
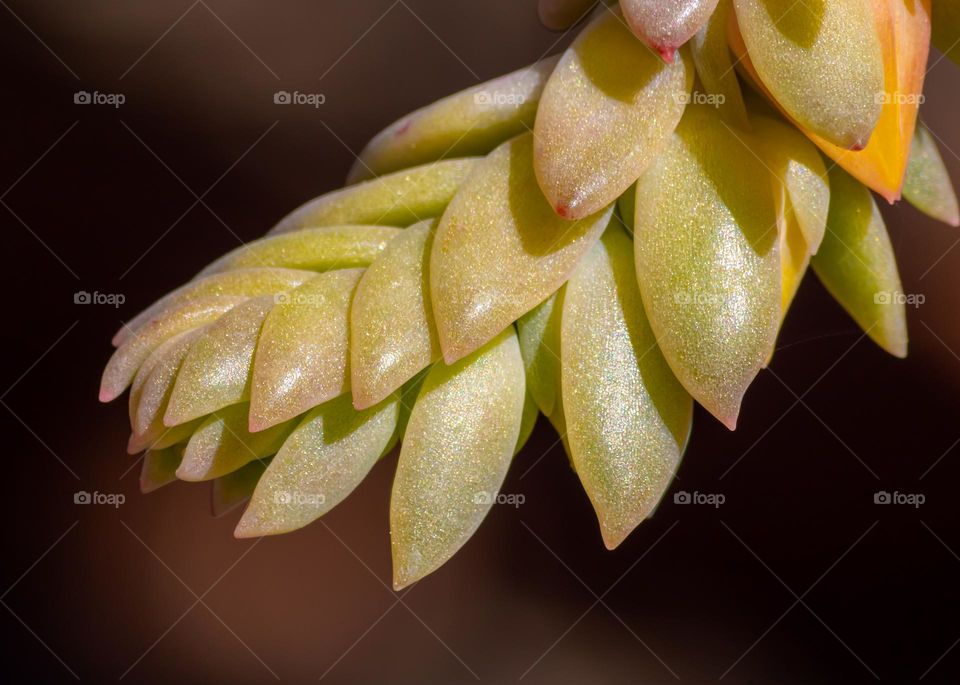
column 856, row 264
column 714, row 64
column 455, row 453
column 398, row 199
column 708, row 259
column 628, row 417
column 159, row 468
column 539, row 334
column 223, row 443
column 217, row 368
column 822, row 62
column 500, row 250
column 665, row 26
column 311, row 249
column 230, row 491
column 302, row 356
column 471, row 122
column 927, row 185
column 322, row 461
column 391, row 321
column 605, row 112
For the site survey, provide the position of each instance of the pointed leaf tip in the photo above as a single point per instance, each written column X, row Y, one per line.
column 459, row 441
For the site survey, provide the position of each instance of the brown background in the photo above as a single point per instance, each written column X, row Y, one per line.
column 106, row 199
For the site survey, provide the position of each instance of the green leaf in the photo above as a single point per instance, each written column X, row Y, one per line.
column 927, row 185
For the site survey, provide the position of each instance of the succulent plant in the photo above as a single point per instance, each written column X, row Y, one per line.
column 603, row 237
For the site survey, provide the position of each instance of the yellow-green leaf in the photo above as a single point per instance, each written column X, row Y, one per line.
column 714, row 63
column 539, row 333
column 857, row 265
column 500, row 250
column 604, row 114
column 398, row 199
column 391, row 321
column 628, row 417
column 821, row 60
column 471, row 122
column 230, row 491
column 927, row 185
column 223, row 443
column 216, row 371
column 455, row 453
column 322, row 461
column 302, row 356
column 708, row 261
column 159, row 468
column 311, row 249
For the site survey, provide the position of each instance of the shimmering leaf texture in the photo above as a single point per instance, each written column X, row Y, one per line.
column 321, row 463
column 223, row 443
column 232, row 490
column 539, row 334
column 398, row 199
column 708, row 261
column 302, row 357
column 712, row 58
column 216, row 371
column 455, row 453
column 665, row 26
column 391, row 321
column 127, row 358
column 822, row 62
column 241, row 283
column 471, row 122
column 857, row 265
column 151, row 390
column 159, row 468
column 559, row 15
column 500, row 250
column 904, row 30
column 946, row 28
column 527, row 421
column 800, row 168
column 927, row 185
column 604, row 114
column 312, row 249
column 628, row 417
column 802, row 196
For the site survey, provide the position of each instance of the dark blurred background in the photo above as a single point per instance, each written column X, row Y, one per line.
column 797, row 577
